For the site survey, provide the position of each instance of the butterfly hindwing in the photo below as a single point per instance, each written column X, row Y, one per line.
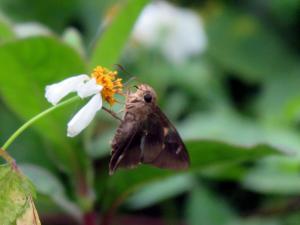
column 173, row 154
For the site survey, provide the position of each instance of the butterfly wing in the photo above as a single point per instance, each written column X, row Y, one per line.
column 126, row 150
column 153, row 141
column 170, row 151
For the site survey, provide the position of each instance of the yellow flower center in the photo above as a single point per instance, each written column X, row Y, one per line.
column 110, row 83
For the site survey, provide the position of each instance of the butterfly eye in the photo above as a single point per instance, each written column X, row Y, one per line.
column 148, row 97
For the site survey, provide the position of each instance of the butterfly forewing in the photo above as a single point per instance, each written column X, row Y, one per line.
column 126, row 144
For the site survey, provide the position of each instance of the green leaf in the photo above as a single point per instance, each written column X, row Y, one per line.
column 203, row 153
column 268, row 182
column 209, row 153
column 30, row 216
column 158, row 191
column 110, row 45
column 226, row 126
column 274, row 175
column 203, row 207
column 6, row 32
column 47, row 184
column 28, row 65
column 15, row 194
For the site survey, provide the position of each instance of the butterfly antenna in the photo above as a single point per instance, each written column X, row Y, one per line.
column 132, row 78
column 120, row 67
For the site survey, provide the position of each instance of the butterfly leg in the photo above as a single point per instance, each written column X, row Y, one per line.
column 113, row 114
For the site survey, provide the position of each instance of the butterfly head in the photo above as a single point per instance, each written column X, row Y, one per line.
column 144, row 94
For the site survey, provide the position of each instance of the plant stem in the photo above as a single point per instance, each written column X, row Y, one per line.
column 6, row 156
column 19, row 131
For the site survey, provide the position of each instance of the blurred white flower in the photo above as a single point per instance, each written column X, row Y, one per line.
column 102, row 83
column 29, row 29
column 177, row 31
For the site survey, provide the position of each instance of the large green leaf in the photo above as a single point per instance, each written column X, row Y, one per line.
column 109, row 47
column 15, row 194
column 203, row 153
column 28, row 65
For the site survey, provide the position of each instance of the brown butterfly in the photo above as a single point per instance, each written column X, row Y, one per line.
column 145, row 135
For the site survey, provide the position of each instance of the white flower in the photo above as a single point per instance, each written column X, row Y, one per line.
column 178, row 32
column 85, row 86
column 102, row 83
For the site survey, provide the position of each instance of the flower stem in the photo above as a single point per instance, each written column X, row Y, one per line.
column 19, row 131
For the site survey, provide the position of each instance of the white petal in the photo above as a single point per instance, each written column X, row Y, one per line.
column 85, row 115
column 55, row 92
column 89, row 88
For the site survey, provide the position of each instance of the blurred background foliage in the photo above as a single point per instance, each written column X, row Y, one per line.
column 230, row 84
